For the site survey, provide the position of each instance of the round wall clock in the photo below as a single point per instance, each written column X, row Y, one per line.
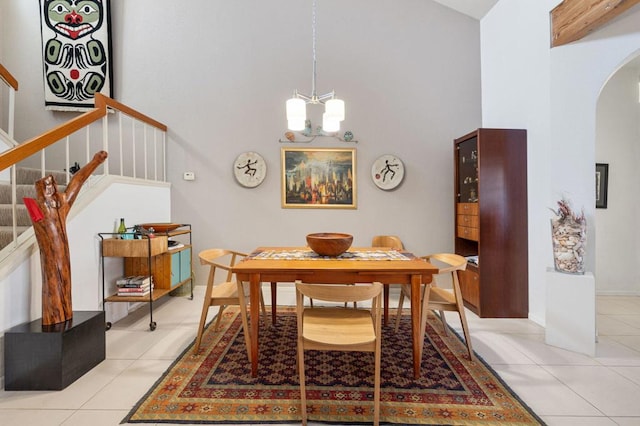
column 250, row 169
column 387, row 172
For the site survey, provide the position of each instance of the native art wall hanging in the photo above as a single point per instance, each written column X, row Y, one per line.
column 76, row 52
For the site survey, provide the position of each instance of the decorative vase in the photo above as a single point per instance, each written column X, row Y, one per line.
column 569, row 237
column 569, row 241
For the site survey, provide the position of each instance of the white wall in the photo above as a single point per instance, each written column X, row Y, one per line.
column 135, row 203
column 617, row 143
column 218, row 74
column 574, row 112
column 515, row 94
column 553, row 92
column 21, row 290
column 93, row 212
column 409, row 91
column 411, row 85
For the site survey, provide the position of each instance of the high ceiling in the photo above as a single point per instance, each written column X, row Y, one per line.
column 474, row 8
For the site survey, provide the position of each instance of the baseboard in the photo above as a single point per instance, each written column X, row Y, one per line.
column 616, row 293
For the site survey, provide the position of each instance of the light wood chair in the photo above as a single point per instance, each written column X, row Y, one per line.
column 222, row 294
column 441, row 299
column 339, row 329
column 393, row 242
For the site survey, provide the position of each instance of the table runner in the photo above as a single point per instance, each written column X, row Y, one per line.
column 302, row 254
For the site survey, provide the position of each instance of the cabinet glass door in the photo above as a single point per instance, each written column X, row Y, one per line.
column 468, row 171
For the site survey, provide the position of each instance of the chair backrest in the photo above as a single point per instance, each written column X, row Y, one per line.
column 453, row 262
column 390, row 241
column 340, row 293
column 220, row 258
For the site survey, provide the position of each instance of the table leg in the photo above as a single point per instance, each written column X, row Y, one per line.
column 273, row 303
column 385, row 308
column 417, row 340
column 254, row 299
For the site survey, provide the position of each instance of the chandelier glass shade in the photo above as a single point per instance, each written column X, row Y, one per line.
column 297, row 105
column 296, row 113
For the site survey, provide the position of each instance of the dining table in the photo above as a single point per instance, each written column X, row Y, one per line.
column 357, row 265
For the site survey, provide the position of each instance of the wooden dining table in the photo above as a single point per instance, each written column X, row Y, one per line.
column 357, row 265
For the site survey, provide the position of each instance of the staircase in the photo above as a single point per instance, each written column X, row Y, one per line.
column 25, row 179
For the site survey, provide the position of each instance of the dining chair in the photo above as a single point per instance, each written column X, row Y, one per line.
column 335, row 328
column 393, row 242
column 222, row 294
column 438, row 298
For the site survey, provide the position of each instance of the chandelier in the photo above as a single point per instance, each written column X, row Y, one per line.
column 297, row 105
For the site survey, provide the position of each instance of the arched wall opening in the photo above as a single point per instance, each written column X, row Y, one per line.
column 579, row 73
column 617, row 144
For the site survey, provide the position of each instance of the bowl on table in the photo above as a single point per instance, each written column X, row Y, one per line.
column 329, row 243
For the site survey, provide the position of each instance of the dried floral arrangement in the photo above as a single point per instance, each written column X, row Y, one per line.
column 569, row 235
column 565, row 212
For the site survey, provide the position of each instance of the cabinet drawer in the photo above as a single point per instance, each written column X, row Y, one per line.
column 467, row 208
column 470, row 287
column 467, row 233
column 115, row 247
column 469, row 221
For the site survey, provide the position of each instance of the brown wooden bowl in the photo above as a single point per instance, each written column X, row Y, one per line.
column 329, row 243
column 160, row 227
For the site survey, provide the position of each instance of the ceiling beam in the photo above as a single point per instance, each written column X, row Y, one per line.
column 573, row 19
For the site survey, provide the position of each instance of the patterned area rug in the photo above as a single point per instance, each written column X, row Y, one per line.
column 215, row 386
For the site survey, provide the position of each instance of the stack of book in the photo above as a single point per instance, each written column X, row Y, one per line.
column 135, row 285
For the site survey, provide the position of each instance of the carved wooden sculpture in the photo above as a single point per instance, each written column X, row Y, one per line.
column 49, row 215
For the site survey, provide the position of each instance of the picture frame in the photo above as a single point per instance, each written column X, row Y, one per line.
column 602, row 185
column 318, row 178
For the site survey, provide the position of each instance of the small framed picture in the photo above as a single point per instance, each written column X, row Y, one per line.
column 602, row 183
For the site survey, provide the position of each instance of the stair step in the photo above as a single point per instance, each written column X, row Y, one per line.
column 24, row 190
column 28, row 175
column 25, row 178
column 6, row 234
column 21, row 192
column 6, row 215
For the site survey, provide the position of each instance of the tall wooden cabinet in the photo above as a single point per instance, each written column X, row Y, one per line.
column 491, row 221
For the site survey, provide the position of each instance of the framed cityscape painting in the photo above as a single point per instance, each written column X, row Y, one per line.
column 319, row 178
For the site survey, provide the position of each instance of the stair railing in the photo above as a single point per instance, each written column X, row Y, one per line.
column 146, row 143
column 12, row 85
column 6, row 136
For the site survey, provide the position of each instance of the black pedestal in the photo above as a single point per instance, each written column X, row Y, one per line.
column 38, row 357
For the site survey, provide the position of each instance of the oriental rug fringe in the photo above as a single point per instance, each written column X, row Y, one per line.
column 215, row 385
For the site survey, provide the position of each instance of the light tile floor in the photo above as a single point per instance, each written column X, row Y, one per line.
column 564, row 388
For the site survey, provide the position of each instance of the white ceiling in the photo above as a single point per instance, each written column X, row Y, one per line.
column 474, row 8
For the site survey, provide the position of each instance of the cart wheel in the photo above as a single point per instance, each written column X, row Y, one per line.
column 108, row 325
column 152, row 325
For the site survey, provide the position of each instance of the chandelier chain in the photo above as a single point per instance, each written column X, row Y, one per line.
column 296, row 106
column 313, row 27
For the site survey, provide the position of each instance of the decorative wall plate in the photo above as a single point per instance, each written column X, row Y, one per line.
column 387, row 172
column 250, row 169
